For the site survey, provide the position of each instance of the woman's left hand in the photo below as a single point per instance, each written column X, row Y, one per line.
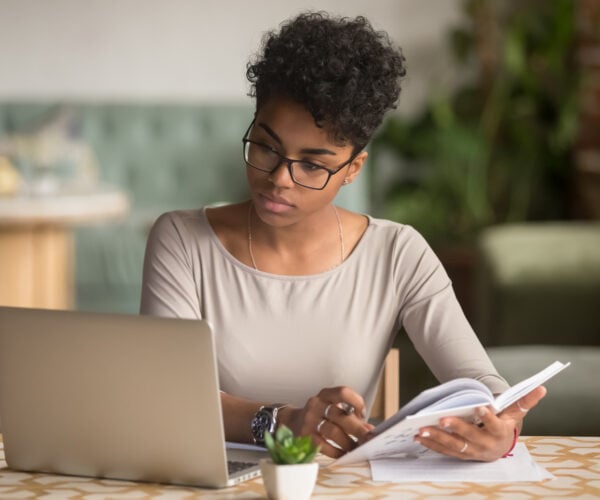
column 488, row 442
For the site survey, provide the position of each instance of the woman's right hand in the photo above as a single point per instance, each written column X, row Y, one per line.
column 334, row 418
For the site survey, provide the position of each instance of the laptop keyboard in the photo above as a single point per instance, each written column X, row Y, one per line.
column 234, row 466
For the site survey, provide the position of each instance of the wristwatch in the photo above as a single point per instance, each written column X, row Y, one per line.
column 265, row 420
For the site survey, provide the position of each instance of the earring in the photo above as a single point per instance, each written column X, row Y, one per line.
column 346, row 181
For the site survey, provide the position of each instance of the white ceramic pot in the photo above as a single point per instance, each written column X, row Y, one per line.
column 289, row 482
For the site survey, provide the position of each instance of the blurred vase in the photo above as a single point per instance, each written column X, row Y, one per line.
column 10, row 180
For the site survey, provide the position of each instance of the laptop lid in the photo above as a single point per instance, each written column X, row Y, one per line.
column 106, row 395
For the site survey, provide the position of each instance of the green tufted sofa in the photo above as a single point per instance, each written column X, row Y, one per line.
column 167, row 156
column 540, row 283
column 539, row 288
column 538, row 300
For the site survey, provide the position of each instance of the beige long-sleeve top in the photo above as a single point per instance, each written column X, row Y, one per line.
column 284, row 338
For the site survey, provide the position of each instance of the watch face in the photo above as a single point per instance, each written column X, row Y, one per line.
column 261, row 423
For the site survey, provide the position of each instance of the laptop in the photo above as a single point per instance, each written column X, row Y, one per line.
column 115, row 396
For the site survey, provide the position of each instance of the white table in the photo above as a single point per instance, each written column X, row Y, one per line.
column 36, row 244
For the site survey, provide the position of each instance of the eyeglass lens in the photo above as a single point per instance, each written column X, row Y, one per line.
column 264, row 158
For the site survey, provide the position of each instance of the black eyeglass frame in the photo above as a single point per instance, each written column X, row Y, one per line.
column 290, row 162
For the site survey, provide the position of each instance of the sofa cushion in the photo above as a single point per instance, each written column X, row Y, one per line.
column 540, row 284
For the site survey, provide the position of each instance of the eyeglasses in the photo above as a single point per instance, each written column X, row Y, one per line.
column 304, row 173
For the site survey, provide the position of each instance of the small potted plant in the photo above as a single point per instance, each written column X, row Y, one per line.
column 290, row 473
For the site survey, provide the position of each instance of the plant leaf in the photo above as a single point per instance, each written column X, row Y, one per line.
column 284, row 448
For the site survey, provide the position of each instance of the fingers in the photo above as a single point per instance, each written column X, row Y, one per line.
column 531, row 400
column 333, row 419
column 519, row 409
column 447, row 443
column 344, row 397
column 484, row 442
column 350, row 423
column 492, row 424
column 464, row 440
column 334, row 437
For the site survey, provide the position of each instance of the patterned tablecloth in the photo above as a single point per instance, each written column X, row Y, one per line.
column 574, row 461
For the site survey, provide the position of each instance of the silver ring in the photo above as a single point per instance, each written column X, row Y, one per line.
column 320, row 424
column 326, row 412
column 347, row 408
column 464, row 448
column 524, row 410
column 331, row 442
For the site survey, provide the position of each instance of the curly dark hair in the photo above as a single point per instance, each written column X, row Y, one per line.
column 345, row 73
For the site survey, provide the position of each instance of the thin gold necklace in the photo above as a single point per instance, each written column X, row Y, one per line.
column 340, row 232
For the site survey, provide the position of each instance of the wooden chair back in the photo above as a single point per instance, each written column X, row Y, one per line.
column 387, row 400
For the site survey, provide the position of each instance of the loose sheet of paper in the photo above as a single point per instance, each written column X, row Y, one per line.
column 432, row 466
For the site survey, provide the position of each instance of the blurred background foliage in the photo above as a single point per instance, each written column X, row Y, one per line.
column 497, row 148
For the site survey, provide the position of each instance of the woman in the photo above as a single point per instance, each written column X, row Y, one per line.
column 306, row 298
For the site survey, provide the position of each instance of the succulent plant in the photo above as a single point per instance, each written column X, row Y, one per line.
column 285, row 448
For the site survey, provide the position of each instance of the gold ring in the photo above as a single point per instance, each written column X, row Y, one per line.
column 464, row 448
column 320, row 424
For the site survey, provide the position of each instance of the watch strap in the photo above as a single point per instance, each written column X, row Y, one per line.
column 265, row 420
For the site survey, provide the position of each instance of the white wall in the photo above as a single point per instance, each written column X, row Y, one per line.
column 185, row 49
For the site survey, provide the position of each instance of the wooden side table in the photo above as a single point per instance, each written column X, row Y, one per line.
column 36, row 243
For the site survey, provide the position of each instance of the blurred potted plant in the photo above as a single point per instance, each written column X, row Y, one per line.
column 498, row 148
column 290, row 473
